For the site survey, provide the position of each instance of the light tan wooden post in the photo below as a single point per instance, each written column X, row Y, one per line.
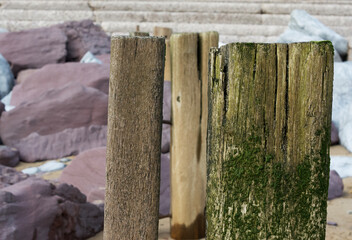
column 134, row 138
column 268, row 140
column 189, row 57
column 165, row 32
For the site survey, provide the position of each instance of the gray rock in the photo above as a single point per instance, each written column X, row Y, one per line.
column 303, row 22
column 6, row 77
column 164, row 205
column 9, row 156
column 37, row 209
column 33, row 48
column 335, row 185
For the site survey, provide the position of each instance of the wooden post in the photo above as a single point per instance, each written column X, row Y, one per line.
column 189, row 55
column 134, row 138
column 268, row 140
column 165, row 32
column 139, row 34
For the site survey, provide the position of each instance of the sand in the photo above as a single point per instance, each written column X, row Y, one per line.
column 339, row 210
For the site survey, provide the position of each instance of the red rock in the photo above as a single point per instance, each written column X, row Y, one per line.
column 9, row 156
column 54, row 76
column 58, row 123
column 36, row 209
column 84, row 36
column 33, row 48
column 24, row 74
column 105, row 58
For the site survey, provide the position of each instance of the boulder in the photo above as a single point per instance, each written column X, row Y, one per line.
column 301, row 21
column 105, row 58
column 292, row 36
column 342, row 102
column 37, row 209
column 9, row 156
column 21, row 76
column 84, row 36
column 33, row 48
column 334, row 135
column 87, row 173
column 335, row 185
column 6, row 77
column 9, row 176
column 61, row 122
column 53, row 76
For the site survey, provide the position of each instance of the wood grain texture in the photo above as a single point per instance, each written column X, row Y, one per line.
column 134, row 138
column 268, row 140
column 165, row 32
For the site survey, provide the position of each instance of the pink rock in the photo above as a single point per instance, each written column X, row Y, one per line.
column 9, row 176
column 335, row 185
column 87, row 172
column 84, row 36
column 9, row 156
column 105, row 58
column 56, row 123
column 33, row 48
column 36, row 209
column 24, row 74
column 54, row 76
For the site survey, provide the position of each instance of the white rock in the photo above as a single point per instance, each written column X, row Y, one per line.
column 90, row 58
column 51, row 166
column 342, row 165
column 65, row 160
column 6, row 77
column 303, row 22
column 31, row 170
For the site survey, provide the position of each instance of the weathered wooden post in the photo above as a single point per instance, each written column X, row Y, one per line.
column 189, row 52
column 268, row 140
column 134, row 138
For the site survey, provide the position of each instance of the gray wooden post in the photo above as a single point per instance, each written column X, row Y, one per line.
column 268, row 140
column 134, row 138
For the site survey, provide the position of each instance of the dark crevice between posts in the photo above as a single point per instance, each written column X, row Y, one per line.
column 191, row 231
column 199, row 63
column 285, row 129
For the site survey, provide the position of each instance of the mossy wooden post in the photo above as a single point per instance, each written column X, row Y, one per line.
column 188, row 172
column 134, row 138
column 165, row 32
column 268, row 140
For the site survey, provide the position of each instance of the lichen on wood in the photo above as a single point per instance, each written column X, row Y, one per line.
column 268, row 140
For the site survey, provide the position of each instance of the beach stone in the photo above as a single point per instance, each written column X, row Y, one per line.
column 62, row 122
column 33, row 48
column 87, row 172
column 335, row 185
column 165, row 138
column 7, row 80
column 31, row 170
column 164, row 205
column 301, row 21
column 54, row 76
column 9, row 176
column 84, row 36
column 105, row 58
column 2, row 108
column 9, row 156
column 167, row 101
column 24, row 74
column 61, row 212
column 334, row 135
column 51, row 166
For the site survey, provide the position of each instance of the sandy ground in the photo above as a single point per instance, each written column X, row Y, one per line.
column 339, row 210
